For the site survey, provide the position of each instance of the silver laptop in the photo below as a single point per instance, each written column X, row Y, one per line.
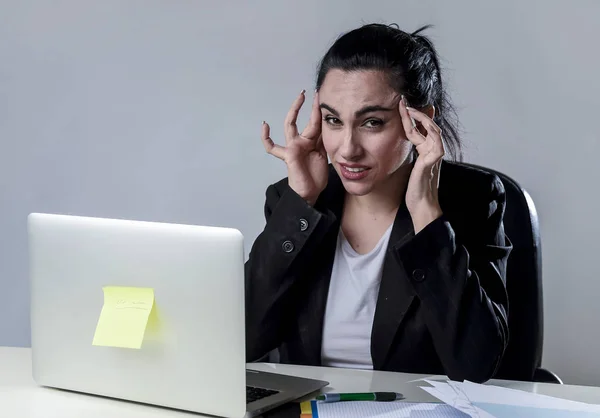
column 191, row 353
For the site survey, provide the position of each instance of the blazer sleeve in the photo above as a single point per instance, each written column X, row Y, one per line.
column 274, row 267
column 462, row 287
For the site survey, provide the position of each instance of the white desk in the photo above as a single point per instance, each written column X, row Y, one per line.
column 20, row 397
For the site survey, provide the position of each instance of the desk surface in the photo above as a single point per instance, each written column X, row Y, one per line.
column 20, row 397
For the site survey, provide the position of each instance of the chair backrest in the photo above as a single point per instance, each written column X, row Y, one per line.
column 524, row 284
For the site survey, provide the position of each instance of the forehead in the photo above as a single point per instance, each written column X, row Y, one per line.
column 352, row 90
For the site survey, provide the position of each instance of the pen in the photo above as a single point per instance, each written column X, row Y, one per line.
column 371, row 396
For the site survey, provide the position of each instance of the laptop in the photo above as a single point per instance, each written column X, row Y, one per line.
column 192, row 351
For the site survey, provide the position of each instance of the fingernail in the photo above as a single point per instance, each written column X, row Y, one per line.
column 303, row 91
column 410, row 109
column 264, row 122
column 402, row 100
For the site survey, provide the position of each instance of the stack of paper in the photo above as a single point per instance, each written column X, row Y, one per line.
column 381, row 410
column 460, row 400
column 485, row 401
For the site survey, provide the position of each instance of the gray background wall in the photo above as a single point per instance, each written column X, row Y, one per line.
column 151, row 110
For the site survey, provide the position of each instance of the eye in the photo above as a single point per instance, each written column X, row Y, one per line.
column 332, row 120
column 373, row 123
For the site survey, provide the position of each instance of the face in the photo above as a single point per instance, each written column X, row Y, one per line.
column 362, row 130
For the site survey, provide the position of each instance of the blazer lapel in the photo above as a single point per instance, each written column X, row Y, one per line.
column 395, row 294
column 312, row 320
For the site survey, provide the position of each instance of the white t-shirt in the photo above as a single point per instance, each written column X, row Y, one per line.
column 353, row 291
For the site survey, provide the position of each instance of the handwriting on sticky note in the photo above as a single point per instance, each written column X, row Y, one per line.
column 124, row 316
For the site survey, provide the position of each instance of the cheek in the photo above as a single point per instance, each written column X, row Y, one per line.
column 392, row 153
column 392, row 144
column 331, row 141
column 403, row 147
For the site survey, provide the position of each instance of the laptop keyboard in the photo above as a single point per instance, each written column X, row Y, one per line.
column 254, row 394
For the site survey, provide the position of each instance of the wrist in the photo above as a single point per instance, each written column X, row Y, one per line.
column 424, row 215
column 309, row 198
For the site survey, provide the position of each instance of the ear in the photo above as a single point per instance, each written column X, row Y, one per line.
column 429, row 111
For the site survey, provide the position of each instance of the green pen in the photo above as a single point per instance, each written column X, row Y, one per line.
column 371, row 396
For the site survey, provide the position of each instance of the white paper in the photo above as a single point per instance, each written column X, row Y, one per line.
column 446, row 393
column 500, row 395
column 475, row 399
column 387, row 410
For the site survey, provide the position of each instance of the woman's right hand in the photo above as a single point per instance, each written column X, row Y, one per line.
column 303, row 153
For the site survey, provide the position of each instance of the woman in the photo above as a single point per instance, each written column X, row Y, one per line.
column 388, row 258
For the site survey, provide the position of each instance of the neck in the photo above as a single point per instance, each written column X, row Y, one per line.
column 386, row 199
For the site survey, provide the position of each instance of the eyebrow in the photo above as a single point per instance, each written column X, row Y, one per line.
column 360, row 112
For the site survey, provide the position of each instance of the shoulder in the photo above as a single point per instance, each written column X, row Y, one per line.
column 469, row 185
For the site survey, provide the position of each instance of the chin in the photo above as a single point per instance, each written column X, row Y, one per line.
column 357, row 189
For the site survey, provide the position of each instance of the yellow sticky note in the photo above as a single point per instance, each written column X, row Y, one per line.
column 124, row 316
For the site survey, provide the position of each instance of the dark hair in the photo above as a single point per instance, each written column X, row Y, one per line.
column 411, row 63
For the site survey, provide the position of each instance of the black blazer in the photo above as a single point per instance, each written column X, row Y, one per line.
column 442, row 304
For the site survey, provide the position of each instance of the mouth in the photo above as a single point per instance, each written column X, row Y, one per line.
column 354, row 172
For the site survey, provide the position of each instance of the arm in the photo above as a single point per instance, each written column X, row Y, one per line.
column 461, row 286
column 274, row 265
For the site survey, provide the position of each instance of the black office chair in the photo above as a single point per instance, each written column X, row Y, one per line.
column 523, row 356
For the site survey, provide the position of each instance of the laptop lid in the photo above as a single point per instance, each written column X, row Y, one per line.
column 192, row 353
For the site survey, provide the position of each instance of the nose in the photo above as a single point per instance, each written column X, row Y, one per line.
column 350, row 149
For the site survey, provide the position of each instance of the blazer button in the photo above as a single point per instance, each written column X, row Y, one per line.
column 287, row 246
column 418, row 275
column 303, row 224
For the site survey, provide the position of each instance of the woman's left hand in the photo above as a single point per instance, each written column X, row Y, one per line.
column 422, row 191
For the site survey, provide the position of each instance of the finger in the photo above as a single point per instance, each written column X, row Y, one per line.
column 410, row 129
column 290, row 128
column 271, row 147
column 437, row 174
column 313, row 129
column 433, row 179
